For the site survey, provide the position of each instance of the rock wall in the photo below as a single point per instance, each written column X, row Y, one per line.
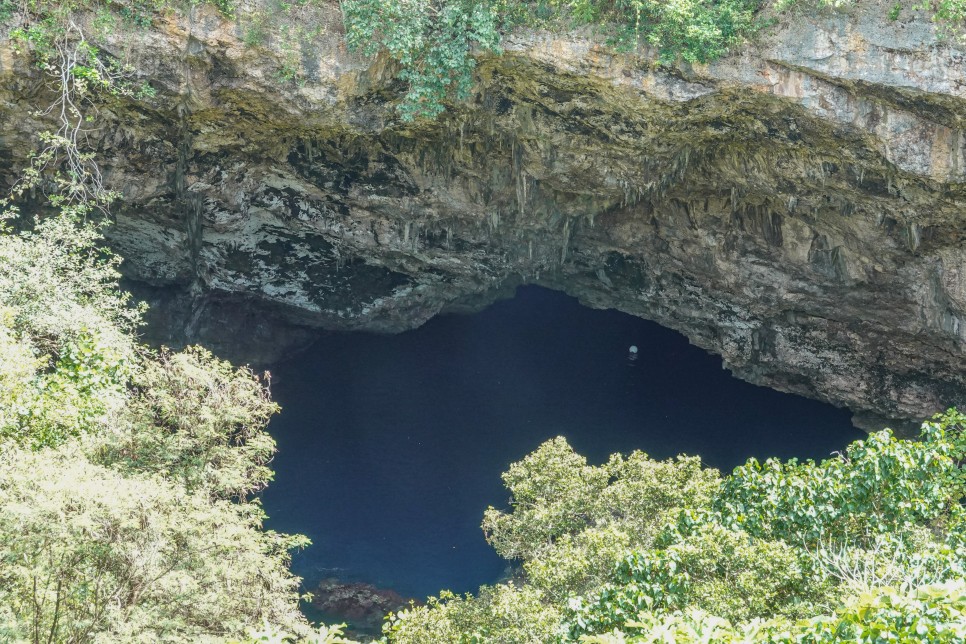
column 797, row 208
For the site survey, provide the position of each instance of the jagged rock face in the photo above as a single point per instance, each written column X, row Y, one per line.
column 363, row 606
column 796, row 208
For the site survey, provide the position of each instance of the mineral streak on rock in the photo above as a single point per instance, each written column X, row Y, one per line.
column 797, row 208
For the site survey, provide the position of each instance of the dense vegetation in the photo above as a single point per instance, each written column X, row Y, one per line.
column 129, row 476
column 126, row 474
column 126, row 510
column 867, row 546
column 434, row 43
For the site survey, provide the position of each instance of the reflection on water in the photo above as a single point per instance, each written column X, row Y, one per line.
column 391, row 447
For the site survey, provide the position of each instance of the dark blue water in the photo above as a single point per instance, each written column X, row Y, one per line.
column 391, row 447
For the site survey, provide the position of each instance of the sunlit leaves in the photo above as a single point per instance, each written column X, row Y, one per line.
column 88, row 554
column 125, row 474
column 867, row 546
column 433, row 41
column 878, row 486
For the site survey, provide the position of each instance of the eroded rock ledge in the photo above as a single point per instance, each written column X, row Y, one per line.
column 797, row 208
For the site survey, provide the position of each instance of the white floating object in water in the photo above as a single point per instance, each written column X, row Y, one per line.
column 633, row 348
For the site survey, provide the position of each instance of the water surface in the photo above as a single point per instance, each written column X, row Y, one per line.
column 391, row 447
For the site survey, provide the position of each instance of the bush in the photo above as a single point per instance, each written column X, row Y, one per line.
column 866, row 545
column 432, row 41
column 878, row 486
column 125, row 474
column 501, row 614
column 571, row 523
column 66, row 332
column 934, row 614
column 714, row 570
column 93, row 555
column 196, row 419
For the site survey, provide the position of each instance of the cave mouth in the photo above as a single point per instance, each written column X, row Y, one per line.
column 391, row 446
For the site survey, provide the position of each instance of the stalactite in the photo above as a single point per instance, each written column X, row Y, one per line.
column 914, row 235
column 414, row 237
column 190, row 205
column 519, row 175
column 194, row 209
column 566, row 241
column 340, row 262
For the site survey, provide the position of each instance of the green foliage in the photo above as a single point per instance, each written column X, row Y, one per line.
column 196, row 419
column 880, row 485
column 268, row 634
column 571, row 522
column 784, row 539
column 501, row 614
column 696, row 31
column 950, row 15
column 551, row 493
column 431, row 40
column 91, row 554
column 125, row 474
column 713, row 569
column 935, row 614
column 66, row 328
column 855, row 548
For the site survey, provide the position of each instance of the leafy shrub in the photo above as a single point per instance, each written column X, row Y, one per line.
column 571, row 523
column 125, row 474
column 501, row 614
column 93, row 555
column 68, row 331
column 880, row 485
column 432, row 40
column 935, row 614
column 196, row 419
column 714, row 569
column 854, row 548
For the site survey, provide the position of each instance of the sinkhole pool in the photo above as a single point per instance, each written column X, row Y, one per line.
column 391, row 447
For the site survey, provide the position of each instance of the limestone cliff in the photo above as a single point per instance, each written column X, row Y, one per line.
column 797, row 208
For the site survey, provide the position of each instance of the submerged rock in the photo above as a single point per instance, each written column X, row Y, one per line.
column 797, row 208
column 362, row 606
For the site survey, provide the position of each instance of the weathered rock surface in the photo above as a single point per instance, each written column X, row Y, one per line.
column 797, row 208
column 362, row 606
